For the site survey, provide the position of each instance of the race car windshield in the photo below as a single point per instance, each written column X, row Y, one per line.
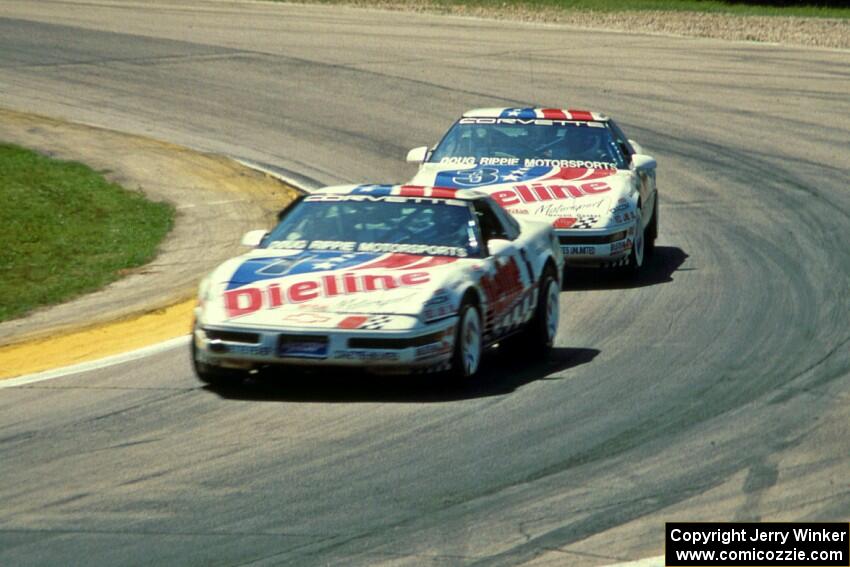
column 535, row 143
column 415, row 226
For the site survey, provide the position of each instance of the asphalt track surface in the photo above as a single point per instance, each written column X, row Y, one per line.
column 715, row 388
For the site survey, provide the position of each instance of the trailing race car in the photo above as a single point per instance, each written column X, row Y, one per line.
column 392, row 278
column 573, row 169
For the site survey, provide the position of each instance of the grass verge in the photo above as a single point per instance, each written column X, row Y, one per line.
column 66, row 231
column 812, row 8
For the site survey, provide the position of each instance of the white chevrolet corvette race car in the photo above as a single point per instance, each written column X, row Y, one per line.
column 573, row 169
column 391, row 278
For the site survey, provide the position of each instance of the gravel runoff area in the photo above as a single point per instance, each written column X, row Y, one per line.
column 813, row 32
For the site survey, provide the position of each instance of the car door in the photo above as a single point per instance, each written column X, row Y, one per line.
column 508, row 280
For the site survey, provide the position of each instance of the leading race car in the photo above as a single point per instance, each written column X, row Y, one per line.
column 574, row 169
column 391, row 278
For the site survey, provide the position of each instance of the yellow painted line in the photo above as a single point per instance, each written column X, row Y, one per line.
column 96, row 342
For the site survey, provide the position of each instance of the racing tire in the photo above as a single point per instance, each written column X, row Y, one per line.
column 538, row 336
column 214, row 375
column 652, row 229
column 469, row 343
column 638, row 252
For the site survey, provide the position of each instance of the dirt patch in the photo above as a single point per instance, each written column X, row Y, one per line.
column 217, row 200
column 813, row 32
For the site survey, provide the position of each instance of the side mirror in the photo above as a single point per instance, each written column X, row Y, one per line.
column 498, row 246
column 643, row 161
column 636, row 147
column 252, row 238
column 417, row 155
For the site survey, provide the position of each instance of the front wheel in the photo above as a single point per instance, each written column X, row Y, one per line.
column 539, row 334
column 468, row 343
column 652, row 228
column 635, row 260
column 213, row 375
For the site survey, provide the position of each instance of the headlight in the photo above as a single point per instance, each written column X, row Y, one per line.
column 438, row 307
column 203, row 291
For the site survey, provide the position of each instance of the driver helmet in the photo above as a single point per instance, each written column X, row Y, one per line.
column 580, row 141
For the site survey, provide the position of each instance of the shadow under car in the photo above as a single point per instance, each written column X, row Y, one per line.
column 501, row 373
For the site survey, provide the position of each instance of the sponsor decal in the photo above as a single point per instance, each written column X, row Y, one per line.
column 401, row 191
column 304, row 349
column 586, row 221
column 581, row 172
column 537, row 192
column 288, row 244
column 288, row 264
column 365, row 355
column 431, row 250
column 439, row 195
column 564, row 222
column 499, row 161
column 256, row 350
column 363, row 302
column 332, row 245
column 434, row 349
column 567, row 208
column 504, row 292
column 307, row 318
column 547, row 113
column 368, row 322
column 476, row 177
column 352, row 322
column 571, row 164
column 247, row 300
column 438, row 306
column 527, row 117
column 531, row 170
column 458, row 160
column 506, row 281
column 488, row 176
column 579, row 250
column 258, row 269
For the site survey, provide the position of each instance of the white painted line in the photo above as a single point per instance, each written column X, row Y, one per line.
column 277, row 175
column 95, row 364
column 657, row 561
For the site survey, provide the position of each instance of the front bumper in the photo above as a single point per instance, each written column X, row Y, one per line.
column 428, row 346
column 595, row 247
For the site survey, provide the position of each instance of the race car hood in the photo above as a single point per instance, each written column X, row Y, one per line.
column 566, row 197
column 317, row 288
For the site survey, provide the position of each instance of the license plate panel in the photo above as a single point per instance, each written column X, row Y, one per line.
column 302, row 347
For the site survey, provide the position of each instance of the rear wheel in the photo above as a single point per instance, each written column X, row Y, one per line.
column 468, row 342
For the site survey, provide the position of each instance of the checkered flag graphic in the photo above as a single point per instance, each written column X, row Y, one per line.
column 376, row 322
column 585, row 222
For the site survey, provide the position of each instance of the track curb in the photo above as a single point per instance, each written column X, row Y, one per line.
column 146, row 307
